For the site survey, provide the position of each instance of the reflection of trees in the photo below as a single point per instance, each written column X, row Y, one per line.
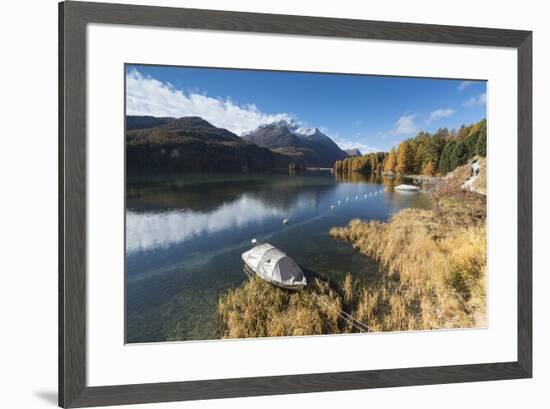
column 167, row 196
column 207, row 194
column 359, row 177
column 354, row 177
column 284, row 197
column 408, row 199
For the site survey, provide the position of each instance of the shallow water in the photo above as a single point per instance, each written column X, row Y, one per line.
column 185, row 236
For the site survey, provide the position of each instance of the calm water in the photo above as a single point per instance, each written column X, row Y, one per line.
column 185, row 236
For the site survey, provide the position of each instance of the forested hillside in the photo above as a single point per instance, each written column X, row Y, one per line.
column 191, row 144
column 426, row 154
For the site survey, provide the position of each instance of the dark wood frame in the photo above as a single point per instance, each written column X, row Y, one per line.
column 73, row 18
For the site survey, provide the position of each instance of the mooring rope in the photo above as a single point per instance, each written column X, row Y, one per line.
column 354, row 322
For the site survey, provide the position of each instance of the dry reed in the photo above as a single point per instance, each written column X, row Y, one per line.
column 432, row 275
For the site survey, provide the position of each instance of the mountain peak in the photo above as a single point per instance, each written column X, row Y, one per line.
column 307, row 145
column 291, row 125
column 353, row 152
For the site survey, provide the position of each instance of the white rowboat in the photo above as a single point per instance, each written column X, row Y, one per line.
column 272, row 265
column 407, row 188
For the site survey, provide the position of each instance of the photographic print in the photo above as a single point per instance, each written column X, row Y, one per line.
column 270, row 203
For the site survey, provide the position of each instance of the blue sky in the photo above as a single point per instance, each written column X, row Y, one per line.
column 368, row 112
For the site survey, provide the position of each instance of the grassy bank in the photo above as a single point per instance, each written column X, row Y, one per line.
column 432, row 275
column 433, row 262
column 257, row 309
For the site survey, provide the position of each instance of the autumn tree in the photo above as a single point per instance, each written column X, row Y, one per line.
column 428, row 169
column 425, row 153
column 369, row 163
column 391, row 161
column 403, row 158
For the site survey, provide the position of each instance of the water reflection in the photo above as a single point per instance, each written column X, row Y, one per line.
column 357, row 177
column 150, row 230
column 167, row 212
column 185, row 237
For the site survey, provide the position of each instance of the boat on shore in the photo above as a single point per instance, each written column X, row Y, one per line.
column 407, row 188
column 272, row 265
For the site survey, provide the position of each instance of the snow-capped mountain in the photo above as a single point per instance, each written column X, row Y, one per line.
column 354, row 152
column 309, row 146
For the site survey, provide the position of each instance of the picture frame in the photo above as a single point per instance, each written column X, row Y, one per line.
column 73, row 20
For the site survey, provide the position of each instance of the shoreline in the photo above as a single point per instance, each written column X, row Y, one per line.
column 432, row 268
column 433, row 262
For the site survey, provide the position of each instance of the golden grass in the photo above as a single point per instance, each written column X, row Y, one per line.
column 432, row 275
column 433, row 262
column 258, row 309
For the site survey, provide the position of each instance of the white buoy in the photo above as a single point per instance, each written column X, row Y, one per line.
column 339, row 202
column 332, row 207
column 356, row 197
column 254, row 241
column 366, row 195
column 347, row 199
column 370, row 194
column 285, row 221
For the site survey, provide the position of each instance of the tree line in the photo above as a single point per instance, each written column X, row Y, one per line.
column 368, row 163
column 425, row 154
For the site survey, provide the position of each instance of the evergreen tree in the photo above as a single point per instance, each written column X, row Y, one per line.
column 436, row 145
column 445, row 160
column 459, row 155
column 424, row 154
column 471, row 141
column 481, row 145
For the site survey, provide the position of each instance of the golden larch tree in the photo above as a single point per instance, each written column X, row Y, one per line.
column 428, row 169
column 402, row 158
column 391, row 161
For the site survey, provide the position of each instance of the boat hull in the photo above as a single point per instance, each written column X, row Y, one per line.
column 407, row 188
column 293, row 287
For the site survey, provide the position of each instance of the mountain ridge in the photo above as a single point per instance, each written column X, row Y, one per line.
column 353, row 152
column 309, row 146
column 192, row 144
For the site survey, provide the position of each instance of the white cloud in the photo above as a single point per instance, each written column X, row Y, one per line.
column 405, row 126
column 150, row 230
column 148, row 96
column 344, row 143
column 348, row 144
column 464, row 84
column 439, row 114
column 481, row 99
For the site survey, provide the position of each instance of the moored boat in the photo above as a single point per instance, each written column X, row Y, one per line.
column 272, row 265
column 407, row 188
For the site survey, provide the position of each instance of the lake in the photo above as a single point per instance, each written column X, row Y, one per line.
column 185, row 235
